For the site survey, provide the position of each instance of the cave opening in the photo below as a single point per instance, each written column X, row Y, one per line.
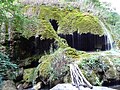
column 87, row 42
column 84, row 42
column 54, row 24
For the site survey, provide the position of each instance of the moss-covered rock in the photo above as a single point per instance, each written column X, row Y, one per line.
column 69, row 21
column 118, row 44
column 28, row 75
column 116, row 62
column 111, row 72
column 56, row 65
column 83, row 23
column 98, row 69
column 45, row 66
column 71, row 52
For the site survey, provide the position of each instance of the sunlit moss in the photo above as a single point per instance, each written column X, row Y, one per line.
column 69, row 21
column 55, row 65
column 28, row 74
column 71, row 52
column 45, row 66
column 83, row 23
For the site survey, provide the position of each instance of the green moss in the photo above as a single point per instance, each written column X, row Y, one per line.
column 69, row 21
column 45, row 66
column 46, row 30
column 55, row 66
column 71, row 52
column 111, row 72
column 92, row 77
column 28, row 74
column 83, row 23
column 118, row 44
column 47, row 60
column 49, row 12
column 95, row 64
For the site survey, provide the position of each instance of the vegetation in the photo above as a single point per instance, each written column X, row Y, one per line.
column 28, row 75
column 31, row 21
column 98, row 69
column 54, row 66
column 68, row 19
column 7, row 69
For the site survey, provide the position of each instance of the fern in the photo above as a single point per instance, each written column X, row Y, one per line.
column 7, row 69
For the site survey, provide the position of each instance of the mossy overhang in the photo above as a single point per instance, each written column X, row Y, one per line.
column 68, row 20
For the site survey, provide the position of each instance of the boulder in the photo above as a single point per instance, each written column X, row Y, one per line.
column 71, row 87
column 8, row 85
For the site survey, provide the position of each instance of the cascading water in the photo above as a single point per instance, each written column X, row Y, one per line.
column 109, row 39
column 78, row 78
column 36, row 43
column 9, row 32
column 79, row 82
column 2, row 32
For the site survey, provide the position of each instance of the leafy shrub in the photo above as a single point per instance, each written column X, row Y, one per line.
column 7, row 69
column 92, row 66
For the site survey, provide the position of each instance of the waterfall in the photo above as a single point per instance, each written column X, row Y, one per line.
column 9, row 32
column 109, row 40
column 78, row 78
column 78, row 38
column 2, row 32
column 36, row 43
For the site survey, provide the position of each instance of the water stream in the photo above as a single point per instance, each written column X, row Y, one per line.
column 109, row 39
column 78, row 78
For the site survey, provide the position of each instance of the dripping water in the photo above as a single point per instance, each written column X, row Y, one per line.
column 109, row 39
column 9, row 32
column 2, row 33
column 78, row 38
column 36, row 43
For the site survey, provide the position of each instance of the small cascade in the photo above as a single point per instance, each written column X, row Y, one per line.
column 78, row 78
column 78, row 38
column 109, row 39
column 9, row 32
column 2, row 33
column 36, row 43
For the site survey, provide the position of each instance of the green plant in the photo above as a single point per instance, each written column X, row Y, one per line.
column 0, row 82
column 91, row 66
column 28, row 74
column 54, row 66
column 7, row 69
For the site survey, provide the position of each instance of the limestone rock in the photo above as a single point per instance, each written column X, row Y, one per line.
column 71, row 87
column 8, row 85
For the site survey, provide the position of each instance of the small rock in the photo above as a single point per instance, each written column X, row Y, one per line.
column 26, row 85
column 37, row 86
column 20, row 87
column 8, row 85
column 118, row 68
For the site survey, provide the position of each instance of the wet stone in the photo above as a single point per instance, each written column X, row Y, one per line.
column 71, row 87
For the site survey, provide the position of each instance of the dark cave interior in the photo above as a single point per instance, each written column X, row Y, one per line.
column 84, row 42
